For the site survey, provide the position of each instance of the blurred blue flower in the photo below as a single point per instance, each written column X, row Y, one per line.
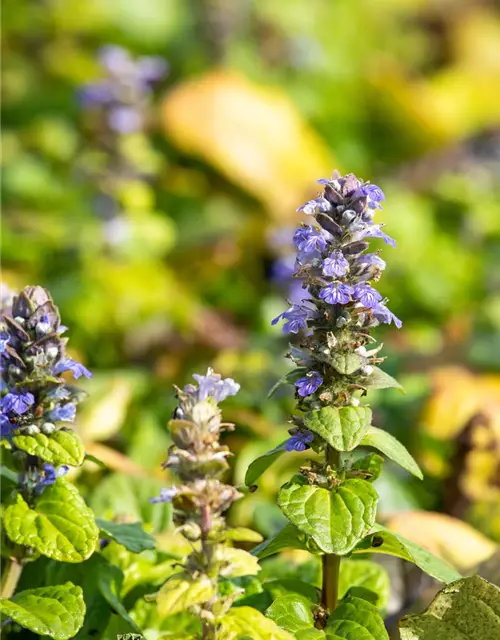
column 76, row 368
column 166, row 495
column 65, row 413
column 309, row 383
column 299, row 442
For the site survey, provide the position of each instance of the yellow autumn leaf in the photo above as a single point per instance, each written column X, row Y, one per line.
column 459, row 395
column 253, row 134
column 454, row 541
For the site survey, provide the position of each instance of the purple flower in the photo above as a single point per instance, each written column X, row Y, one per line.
column 299, row 442
column 166, row 495
column 4, row 339
column 151, row 69
column 313, row 206
column 96, row 94
column 65, row 413
column 212, row 385
column 43, row 327
column 382, row 314
column 76, row 368
column 50, row 474
column 336, row 293
column 125, row 119
column 372, row 259
column 374, row 231
column 367, row 295
column 5, row 426
column 296, row 319
column 309, row 241
column 309, row 383
column 374, row 194
column 115, row 59
column 17, row 402
column 335, row 265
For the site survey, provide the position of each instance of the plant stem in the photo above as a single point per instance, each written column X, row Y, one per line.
column 331, row 562
column 10, row 578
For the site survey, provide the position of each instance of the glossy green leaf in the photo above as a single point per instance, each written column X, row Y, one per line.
column 262, row 463
column 291, row 612
column 356, row 619
column 468, row 609
column 246, row 621
column 336, row 520
column 372, row 464
column 341, row 427
column 61, row 447
column 379, row 379
column 381, row 540
column 289, row 378
column 56, row 611
column 392, row 448
column 131, row 535
column 60, row 526
column 181, row 591
column 289, row 537
column 366, row 574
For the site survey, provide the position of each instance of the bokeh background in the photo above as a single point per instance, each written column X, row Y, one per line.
column 168, row 248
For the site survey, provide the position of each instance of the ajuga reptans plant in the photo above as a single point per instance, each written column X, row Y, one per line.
column 206, row 583
column 43, row 514
column 331, row 503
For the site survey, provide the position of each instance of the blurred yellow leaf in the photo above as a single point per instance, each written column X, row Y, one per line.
column 459, row 395
column 454, row 541
column 104, row 413
column 253, row 134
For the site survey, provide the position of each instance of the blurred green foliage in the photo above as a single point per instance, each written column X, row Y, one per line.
column 404, row 93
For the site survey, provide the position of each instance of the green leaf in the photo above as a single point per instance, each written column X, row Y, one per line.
column 131, row 535
column 181, row 591
column 468, row 609
column 365, row 574
column 371, row 463
column 291, row 612
column 356, row 619
column 242, row 534
column 120, row 494
column 109, row 581
column 336, row 520
column 289, row 378
column 57, row 611
column 287, row 586
column 379, row 379
column 61, row 447
column 90, row 458
column 239, row 563
column 342, row 428
column 8, row 474
column 310, row 634
column 287, row 538
column 60, row 526
column 346, row 363
column 392, row 448
column 262, row 463
column 381, row 540
column 245, row 621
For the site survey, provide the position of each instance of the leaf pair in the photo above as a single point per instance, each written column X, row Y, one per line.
column 354, row 619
